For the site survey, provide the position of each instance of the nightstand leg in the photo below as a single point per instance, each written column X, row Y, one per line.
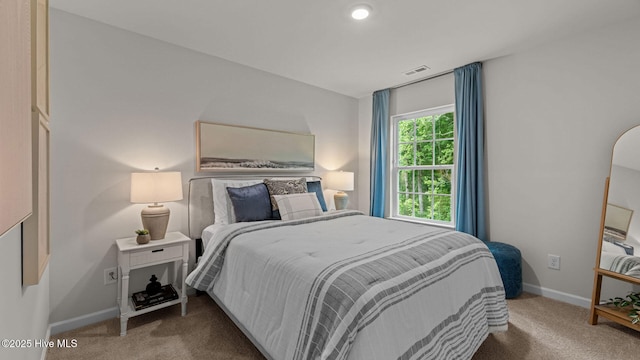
column 185, row 265
column 123, row 324
column 119, row 290
column 124, row 313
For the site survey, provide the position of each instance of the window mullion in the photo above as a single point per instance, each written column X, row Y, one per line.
column 413, row 172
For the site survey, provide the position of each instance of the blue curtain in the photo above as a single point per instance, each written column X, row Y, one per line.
column 470, row 199
column 379, row 151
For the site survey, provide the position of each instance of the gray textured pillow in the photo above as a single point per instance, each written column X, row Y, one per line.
column 284, row 187
column 298, row 206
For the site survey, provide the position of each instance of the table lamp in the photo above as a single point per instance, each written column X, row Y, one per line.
column 341, row 181
column 156, row 187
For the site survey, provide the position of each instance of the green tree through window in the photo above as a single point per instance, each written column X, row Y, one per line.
column 423, row 165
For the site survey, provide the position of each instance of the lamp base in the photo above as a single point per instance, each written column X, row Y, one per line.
column 155, row 219
column 341, row 200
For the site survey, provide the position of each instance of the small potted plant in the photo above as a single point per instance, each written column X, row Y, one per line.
column 143, row 236
column 631, row 303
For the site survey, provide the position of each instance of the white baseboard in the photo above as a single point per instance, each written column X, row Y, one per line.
column 557, row 295
column 84, row 320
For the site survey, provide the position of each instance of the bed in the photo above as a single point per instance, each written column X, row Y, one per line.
column 343, row 285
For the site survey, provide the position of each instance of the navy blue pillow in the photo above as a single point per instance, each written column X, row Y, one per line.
column 315, row 186
column 250, row 203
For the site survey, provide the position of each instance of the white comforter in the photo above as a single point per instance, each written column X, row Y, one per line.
column 345, row 285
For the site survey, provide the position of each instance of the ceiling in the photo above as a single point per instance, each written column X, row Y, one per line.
column 316, row 42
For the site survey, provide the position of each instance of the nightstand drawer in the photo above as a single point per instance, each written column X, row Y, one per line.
column 155, row 255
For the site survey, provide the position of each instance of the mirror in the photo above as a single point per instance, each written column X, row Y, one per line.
column 616, row 224
column 618, row 254
column 620, row 248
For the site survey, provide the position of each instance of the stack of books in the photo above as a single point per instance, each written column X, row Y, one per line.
column 142, row 299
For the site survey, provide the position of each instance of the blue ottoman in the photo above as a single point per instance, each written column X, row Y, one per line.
column 509, row 262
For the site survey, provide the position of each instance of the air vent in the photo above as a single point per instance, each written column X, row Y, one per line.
column 419, row 69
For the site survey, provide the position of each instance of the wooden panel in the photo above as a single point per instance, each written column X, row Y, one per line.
column 41, row 56
column 35, row 235
column 43, row 197
column 15, row 113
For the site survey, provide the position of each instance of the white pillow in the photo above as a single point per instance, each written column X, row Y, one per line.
column 298, row 206
column 222, row 206
column 609, row 247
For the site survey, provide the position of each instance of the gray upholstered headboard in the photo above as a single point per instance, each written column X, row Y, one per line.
column 201, row 200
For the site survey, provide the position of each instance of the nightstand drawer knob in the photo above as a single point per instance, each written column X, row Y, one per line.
column 158, row 250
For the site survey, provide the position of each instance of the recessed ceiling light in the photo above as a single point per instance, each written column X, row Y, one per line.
column 361, row 12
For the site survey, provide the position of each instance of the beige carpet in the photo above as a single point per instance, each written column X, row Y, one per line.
column 539, row 328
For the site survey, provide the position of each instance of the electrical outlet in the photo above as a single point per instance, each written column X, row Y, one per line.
column 110, row 276
column 553, row 262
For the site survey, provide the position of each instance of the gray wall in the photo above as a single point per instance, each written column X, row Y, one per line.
column 122, row 102
column 552, row 116
column 24, row 313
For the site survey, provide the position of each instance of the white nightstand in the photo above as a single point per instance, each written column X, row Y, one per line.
column 174, row 248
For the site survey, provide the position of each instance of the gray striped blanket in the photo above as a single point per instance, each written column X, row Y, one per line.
column 364, row 292
column 626, row 264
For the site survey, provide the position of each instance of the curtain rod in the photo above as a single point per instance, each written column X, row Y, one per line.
column 421, row 80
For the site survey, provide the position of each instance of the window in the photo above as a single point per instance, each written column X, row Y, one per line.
column 422, row 166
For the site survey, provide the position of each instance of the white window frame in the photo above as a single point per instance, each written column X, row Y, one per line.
column 395, row 168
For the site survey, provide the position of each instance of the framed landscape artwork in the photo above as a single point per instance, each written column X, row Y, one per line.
column 221, row 147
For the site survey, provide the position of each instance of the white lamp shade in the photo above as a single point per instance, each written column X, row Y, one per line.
column 155, row 187
column 339, row 180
